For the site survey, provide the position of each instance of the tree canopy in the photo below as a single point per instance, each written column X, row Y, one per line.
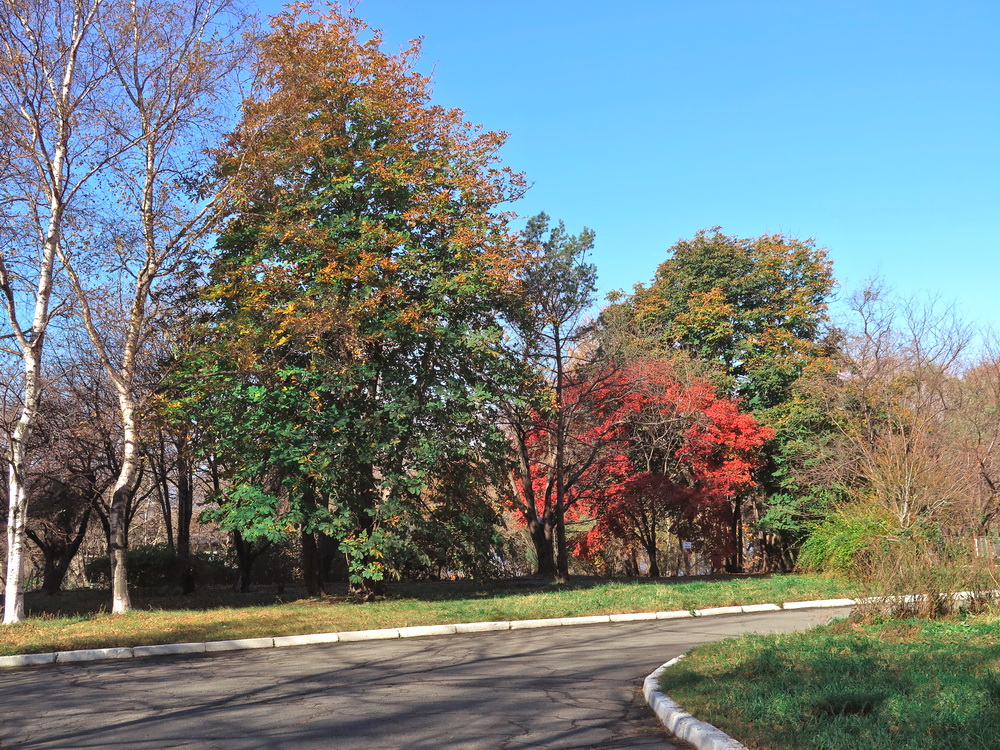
column 360, row 296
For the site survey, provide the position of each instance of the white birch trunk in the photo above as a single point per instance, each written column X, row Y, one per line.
column 31, row 353
column 35, row 111
column 125, row 488
column 13, row 604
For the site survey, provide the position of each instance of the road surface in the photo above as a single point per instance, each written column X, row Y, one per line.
column 560, row 688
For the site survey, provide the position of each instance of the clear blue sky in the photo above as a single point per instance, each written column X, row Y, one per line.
column 872, row 127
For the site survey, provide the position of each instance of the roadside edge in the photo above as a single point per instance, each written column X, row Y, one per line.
column 679, row 722
column 17, row 661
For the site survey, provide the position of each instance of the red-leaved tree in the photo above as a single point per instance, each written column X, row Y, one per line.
column 675, row 456
column 562, row 455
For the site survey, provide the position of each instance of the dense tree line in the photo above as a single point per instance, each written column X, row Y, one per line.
column 313, row 327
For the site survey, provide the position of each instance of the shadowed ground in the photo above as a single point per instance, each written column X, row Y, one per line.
column 566, row 687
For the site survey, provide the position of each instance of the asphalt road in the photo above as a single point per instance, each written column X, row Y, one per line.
column 563, row 687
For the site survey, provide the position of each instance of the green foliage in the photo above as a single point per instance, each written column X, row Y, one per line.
column 358, row 304
column 845, row 541
column 756, row 307
column 754, row 311
column 559, row 287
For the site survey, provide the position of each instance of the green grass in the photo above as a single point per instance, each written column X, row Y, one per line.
column 904, row 685
column 74, row 619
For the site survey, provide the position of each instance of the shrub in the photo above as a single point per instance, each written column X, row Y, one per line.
column 847, row 541
column 900, row 572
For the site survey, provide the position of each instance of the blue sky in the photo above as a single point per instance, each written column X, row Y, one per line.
column 872, row 127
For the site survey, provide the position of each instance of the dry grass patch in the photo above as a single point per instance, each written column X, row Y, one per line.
column 75, row 620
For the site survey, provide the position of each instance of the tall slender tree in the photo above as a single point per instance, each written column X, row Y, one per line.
column 170, row 65
column 51, row 149
column 559, row 286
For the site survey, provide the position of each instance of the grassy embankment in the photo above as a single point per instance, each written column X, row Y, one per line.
column 903, row 685
column 74, row 619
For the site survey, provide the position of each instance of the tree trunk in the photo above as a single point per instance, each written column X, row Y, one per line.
column 246, row 556
column 59, row 555
column 326, row 553
column 734, row 561
column 310, row 565
column 541, row 538
column 17, row 507
column 654, row 564
column 16, row 517
column 125, row 487
column 185, row 511
column 562, row 557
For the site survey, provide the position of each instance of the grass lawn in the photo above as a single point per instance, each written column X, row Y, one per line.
column 75, row 619
column 904, row 685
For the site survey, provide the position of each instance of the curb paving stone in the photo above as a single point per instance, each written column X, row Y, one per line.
column 701, row 734
column 634, row 617
column 93, row 654
column 281, row 641
column 481, row 627
column 382, row 634
column 239, row 644
column 167, row 649
column 820, row 603
column 674, row 614
column 524, row 624
column 718, row 611
column 26, row 660
column 586, row 620
column 418, row 631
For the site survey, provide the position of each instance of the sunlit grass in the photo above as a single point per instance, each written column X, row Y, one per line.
column 74, row 620
column 906, row 685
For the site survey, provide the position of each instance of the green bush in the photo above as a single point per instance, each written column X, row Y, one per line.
column 846, row 541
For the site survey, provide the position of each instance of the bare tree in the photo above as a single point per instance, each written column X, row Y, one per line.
column 900, row 396
column 108, row 107
column 172, row 64
column 51, row 150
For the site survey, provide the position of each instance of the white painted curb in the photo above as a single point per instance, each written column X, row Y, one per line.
column 282, row 641
column 702, row 735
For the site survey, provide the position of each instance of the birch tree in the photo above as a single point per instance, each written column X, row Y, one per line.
column 51, row 151
column 172, row 64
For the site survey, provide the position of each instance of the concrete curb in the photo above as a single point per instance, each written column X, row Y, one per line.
column 417, row 631
column 705, row 736
column 701, row 734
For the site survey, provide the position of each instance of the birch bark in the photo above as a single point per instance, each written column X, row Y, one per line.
column 44, row 86
column 172, row 63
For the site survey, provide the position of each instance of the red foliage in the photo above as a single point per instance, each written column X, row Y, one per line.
column 651, row 453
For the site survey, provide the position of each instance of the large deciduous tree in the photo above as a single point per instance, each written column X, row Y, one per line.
column 755, row 308
column 363, row 284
